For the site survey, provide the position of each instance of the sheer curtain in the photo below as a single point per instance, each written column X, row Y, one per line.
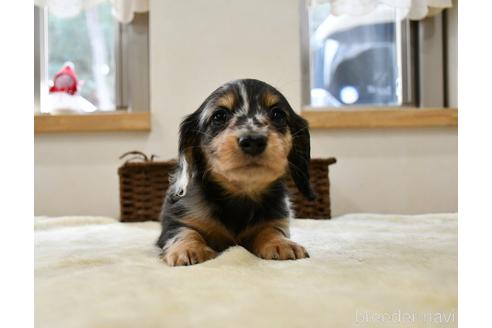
column 123, row 10
column 412, row 9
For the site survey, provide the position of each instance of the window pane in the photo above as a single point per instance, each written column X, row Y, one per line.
column 354, row 59
column 87, row 41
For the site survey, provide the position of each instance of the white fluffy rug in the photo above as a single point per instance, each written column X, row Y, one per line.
column 365, row 270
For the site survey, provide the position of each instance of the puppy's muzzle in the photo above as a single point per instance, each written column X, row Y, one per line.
column 252, row 144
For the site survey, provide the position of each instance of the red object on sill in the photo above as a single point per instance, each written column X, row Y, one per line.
column 65, row 80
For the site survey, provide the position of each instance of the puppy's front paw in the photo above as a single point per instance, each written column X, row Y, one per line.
column 193, row 254
column 281, row 249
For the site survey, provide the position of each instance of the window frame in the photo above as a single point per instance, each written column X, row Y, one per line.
column 132, row 87
column 40, row 59
column 133, row 76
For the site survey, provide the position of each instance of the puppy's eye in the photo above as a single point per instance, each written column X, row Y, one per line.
column 277, row 115
column 220, row 117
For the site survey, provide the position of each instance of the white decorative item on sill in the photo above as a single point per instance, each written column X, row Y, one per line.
column 412, row 9
column 123, row 10
column 64, row 103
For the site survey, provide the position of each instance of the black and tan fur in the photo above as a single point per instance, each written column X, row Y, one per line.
column 235, row 152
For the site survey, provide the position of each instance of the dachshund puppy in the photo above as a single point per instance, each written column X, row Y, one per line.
column 235, row 152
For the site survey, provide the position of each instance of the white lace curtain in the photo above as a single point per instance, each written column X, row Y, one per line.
column 412, row 9
column 123, row 10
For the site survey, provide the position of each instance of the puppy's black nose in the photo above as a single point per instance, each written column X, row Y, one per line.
column 253, row 144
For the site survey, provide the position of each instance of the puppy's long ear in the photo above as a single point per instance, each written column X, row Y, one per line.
column 188, row 143
column 300, row 156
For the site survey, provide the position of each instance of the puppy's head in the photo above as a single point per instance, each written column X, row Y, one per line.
column 245, row 135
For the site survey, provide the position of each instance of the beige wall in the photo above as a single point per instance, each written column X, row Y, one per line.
column 197, row 45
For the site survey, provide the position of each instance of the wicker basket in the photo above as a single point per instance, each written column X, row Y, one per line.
column 143, row 185
column 321, row 207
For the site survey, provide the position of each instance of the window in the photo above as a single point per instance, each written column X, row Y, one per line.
column 86, row 42
column 82, row 62
column 372, row 60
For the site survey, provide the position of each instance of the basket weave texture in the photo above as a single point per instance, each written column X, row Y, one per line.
column 144, row 182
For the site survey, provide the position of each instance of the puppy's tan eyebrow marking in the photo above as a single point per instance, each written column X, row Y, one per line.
column 227, row 100
column 270, row 99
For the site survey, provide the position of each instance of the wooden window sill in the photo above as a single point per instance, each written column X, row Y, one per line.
column 99, row 122
column 381, row 118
